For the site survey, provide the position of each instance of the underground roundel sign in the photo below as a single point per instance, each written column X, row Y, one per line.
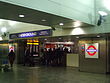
column 91, row 50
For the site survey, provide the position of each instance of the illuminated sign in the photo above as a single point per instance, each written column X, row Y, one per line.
column 33, row 43
column 47, row 32
column 28, row 34
column 30, row 40
column 91, row 50
column 43, row 33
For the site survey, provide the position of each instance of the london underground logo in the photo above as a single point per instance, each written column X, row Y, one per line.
column 91, row 50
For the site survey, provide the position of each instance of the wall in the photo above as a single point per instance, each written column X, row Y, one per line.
column 3, row 52
column 108, row 53
column 92, row 64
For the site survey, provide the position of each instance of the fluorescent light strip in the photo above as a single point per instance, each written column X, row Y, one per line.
column 33, row 43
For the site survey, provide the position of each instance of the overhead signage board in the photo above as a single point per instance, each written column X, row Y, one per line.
column 91, row 50
column 47, row 32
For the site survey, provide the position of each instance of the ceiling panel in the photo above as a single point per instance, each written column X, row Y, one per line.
column 11, row 12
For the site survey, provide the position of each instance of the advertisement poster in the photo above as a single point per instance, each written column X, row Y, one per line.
column 91, row 50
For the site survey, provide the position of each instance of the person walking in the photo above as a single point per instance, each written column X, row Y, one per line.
column 11, row 57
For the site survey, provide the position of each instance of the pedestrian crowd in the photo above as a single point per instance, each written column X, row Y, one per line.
column 54, row 56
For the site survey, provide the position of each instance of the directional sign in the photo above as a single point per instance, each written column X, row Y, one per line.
column 47, row 32
column 91, row 50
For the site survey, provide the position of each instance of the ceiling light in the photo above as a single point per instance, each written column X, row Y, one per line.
column 61, row 24
column 59, row 38
column 77, row 37
column 102, row 13
column 77, row 24
column 43, row 20
column 45, row 39
column 98, row 35
column 21, row 16
column 77, row 31
column 4, row 29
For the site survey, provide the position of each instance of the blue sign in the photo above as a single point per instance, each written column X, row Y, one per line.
column 91, row 50
column 47, row 32
column 28, row 34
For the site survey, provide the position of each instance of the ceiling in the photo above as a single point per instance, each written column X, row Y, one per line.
column 12, row 12
column 16, row 27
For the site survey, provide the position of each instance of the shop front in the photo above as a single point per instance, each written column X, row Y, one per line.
column 29, row 40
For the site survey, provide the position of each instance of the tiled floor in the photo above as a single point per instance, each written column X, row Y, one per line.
column 21, row 74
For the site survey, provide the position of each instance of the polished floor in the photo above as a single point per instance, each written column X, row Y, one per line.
column 21, row 74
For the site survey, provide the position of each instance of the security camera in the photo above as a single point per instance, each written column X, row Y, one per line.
column 102, row 16
column 102, row 13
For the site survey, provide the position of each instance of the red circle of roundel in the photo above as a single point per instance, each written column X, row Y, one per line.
column 91, row 54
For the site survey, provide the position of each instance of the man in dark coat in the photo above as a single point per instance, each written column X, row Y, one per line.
column 11, row 57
